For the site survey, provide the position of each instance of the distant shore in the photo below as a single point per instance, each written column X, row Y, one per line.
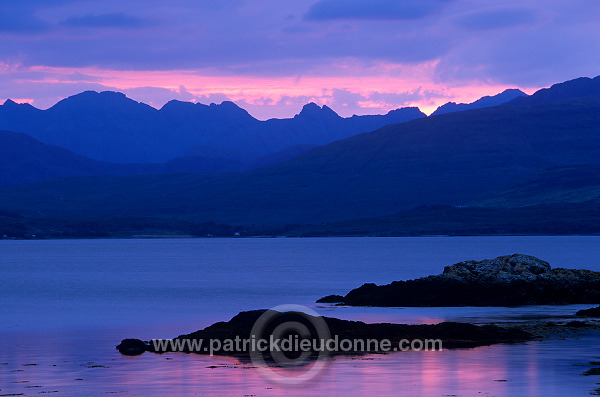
column 541, row 220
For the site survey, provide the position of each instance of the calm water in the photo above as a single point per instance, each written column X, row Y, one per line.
column 64, row 305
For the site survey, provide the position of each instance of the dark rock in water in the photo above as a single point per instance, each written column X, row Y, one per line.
column 504, row 281
column 331, row 299
column 576, row 324
column 451, row 335
column 592, row 312
column 132, row 347
column 592, row 371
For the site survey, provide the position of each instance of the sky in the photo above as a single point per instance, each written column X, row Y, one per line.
column 273, row 56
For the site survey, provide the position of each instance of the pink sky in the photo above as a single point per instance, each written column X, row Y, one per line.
column 266, row 97
column 272, row 57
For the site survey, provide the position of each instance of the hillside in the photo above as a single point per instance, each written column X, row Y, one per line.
column 571, row 185
column 580, row 88
column 448, row 159
column 26, row 160
column 440, row 220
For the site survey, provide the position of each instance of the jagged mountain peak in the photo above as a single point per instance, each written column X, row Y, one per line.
column 9, row 103
column 312, row 110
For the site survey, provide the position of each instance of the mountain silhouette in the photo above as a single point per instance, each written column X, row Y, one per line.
column 451, row 160
column 485, row 102
column 110, row 127
column 581, row 88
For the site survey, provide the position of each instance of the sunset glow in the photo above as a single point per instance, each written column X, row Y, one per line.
column 271, row 58
column 268, row 97
column 300, row 198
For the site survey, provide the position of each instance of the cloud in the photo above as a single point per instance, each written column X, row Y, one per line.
column 401, row 99
column 158, row 96
column 77, row 77
column 373, row 9
column 347, row 101
column 525, row 47
column 24, row 17
column 233, row 37
column 114, row 20
column 21, row 19
column 346, row 98
column 500, row 18
column 275, row 56
column 263, row 97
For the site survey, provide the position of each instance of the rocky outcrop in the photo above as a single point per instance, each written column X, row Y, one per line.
column 451, row 334
column 592, row 312
column 511, row 280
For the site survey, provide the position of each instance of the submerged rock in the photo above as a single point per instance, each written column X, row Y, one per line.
column 511, row 280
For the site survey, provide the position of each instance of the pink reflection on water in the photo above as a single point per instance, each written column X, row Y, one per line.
column 500, row 370
column 412, row 373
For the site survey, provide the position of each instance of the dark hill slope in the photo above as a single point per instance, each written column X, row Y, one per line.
column 567, row 185
column 582, row 87
column 24, row 159
column 449, row 159
column 485, row 102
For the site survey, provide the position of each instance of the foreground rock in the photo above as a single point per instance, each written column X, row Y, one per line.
column 452, row 335
column 504, row 281
column 592, row 312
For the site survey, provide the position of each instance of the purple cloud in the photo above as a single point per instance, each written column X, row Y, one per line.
column 114, row 20
column 345, row 43
column 373, row 9
column 500, row 18
column 20, row 19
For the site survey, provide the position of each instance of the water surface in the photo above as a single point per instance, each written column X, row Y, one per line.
column 65, row 304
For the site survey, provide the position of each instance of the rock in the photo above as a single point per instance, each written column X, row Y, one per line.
column 132, row 347
column 331, row 299
column 592, row 312
column 592, row 371
column 504, row 269
column 576, row 324
column 511, row 280
column 451, row 334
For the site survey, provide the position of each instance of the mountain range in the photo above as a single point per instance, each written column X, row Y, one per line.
column 110, row 127
column 109, row 134
column 454, row 163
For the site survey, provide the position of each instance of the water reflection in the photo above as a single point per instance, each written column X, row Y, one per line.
column 73, row 295
column 545, row 368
